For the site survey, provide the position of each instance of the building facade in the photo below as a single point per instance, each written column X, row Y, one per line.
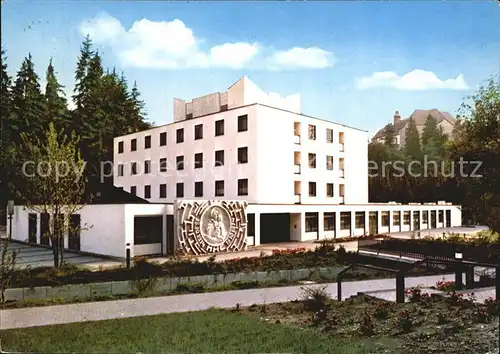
column 299, row 178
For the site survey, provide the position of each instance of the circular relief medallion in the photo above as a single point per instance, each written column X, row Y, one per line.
column 215, row 225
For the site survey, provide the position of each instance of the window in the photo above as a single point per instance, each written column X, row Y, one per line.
column 385, row 218
column 312, row 160
column 219, row 188
column 180, row 190
column 345, row 220
column 311, row 222
column 223, row 107
column 360, row 219
column 147, row 142
column 243, row 123
column 219, row 127
column 133, row 145
column 163, row 164
column 251, row 224
column 329, row 135
column 120, row 170
column 329, row 162
column 406, row 218
column 133, row 190
column 243, row 186
column 312, row 189
column 219, row 158
column 179, row 163
column 396, row 218
column 147, row 166
column 198, row 189
column 312, row 132
column 440, row 215
column 198, row 132
column 163, row 190
column 148, row 229
column 120, row 147
column 329, row 221
column 329, row 190
column 243, row 155
column 198, row 160
column 147, row 192
column 425, row 217
column 180, row 135
column 341, row 138
column 163, row 139
column 133, row 168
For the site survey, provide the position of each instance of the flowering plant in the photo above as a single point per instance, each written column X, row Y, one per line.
column 288, row 251
column 445, row 285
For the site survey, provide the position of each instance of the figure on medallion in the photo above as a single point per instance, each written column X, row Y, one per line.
column 215, row 228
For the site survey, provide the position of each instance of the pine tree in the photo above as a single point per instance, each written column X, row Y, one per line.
column 81, row 71
column 412, row 144
column 56, row 109
column 28, row 104
column 389, row 135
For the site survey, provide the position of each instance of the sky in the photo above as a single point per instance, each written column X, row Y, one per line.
column 354, row 63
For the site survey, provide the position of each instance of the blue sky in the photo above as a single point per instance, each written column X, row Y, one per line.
column 352, row 62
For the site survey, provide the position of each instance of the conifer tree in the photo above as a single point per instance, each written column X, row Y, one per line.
column 412, row 143
column 56, row 109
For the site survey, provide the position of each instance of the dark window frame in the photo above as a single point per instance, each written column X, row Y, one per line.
column 120, row 147
column 147, row 142
column 179, row 136
column 198, row 133
column 243, row 155
column 179, row 190
column 219, row 127
column 163, row 138
column 312, row 189
column 243, row 186
column 198, row 160
column 218, row 186
column 163, row 190
column 133, row 144
column 179, row 163
column 243, row 123
column 198, row 189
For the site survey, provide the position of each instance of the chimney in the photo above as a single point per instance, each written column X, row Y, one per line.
column 396, row 118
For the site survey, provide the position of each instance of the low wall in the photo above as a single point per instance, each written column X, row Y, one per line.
column 74, row 291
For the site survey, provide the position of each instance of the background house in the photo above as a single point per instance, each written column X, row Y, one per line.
column 444, row 120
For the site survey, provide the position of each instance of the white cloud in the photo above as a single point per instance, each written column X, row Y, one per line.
column 416, row 80
column 172, row 45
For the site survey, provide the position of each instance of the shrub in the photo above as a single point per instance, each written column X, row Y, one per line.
column 445, row 285
column 480, row 315
column 492, row 306
column 315, row 299
column 442, row 319
column 382, row 310
column 404, row 321
column 144, row 286
column 366, row 327
column 416, row 295
column 190, row 288
column 238, row 284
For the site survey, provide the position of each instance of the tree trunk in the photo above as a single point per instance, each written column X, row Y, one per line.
column 55, row 251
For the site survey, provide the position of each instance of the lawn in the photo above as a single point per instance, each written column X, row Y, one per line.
column 210, row 331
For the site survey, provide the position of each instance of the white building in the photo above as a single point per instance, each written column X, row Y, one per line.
column 304, row 178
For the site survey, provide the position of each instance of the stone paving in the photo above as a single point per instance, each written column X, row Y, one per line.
column 94, row 311
column 35, row 256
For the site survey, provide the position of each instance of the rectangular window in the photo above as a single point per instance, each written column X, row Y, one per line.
column 180, row 190
column 396, row 218
column 133, row 190
column 120, row 147
column 147, row 142
column 385, row 218
column 147, row 166
column 242, row 155
column 311, row 222
column 163, row 139
column 312, row 160
column 425, row 217
column 147, row 192
column 251, row 224
column 44, row 228
column 133, row 145
column 219, row 188
column 243, row 186
column 180, row 135
column 329, row 190
column 219, row 158
column 32, row 227
column 120, row 170
column 243, row 123
column 312, row 132
column 329, row 135
column 341, row 138
column 406, row 218
column 345, row 220
column 329, row 162
column 179, row 163
column 312, row 189
column 329, row 221
column 219, row 127
column 198, row 160
column 440, row 215
column 198, row 132
column 198, row 189
column 163, row 190
column 360, row 219
column 133, row 168
column 163, row 164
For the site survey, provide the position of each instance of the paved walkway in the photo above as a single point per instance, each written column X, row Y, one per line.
column 95, row 311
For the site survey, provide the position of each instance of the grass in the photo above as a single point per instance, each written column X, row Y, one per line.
column 211, row 331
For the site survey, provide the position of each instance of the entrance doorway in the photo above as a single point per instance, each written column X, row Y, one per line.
column 274, row 228
column 416, row 220
column 373, row 222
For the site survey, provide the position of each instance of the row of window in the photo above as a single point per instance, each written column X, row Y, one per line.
column 179, row 162
column 329, row 190
column 329, row 162
column 359, row 219
column 329, row 134
column 198, row 189
column 198, row 134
